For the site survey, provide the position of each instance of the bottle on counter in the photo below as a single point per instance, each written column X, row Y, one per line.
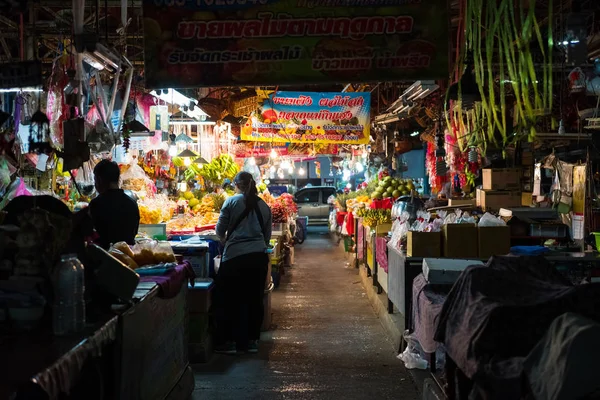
column 69, row 302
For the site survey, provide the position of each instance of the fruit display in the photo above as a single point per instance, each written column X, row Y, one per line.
column 144, row 253
column 376, row 217
column 279, row 212
column 220, row 168
column 267, row 197
column 156, row 210
column 288, row 200
column 392, row 187
column 360, row 202
column 184, row 222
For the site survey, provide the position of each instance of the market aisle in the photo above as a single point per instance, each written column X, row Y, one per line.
column 327, row 344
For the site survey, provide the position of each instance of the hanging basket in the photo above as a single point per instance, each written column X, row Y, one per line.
column 428, row 136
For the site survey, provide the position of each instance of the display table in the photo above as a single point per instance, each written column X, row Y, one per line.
column 39, row 365
column 403, row 270
column 154, row 339
column 382, row 262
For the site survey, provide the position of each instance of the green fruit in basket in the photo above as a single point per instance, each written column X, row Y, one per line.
column 194, row 202
column 377, row 196
column 396, row 193
column 188, row 195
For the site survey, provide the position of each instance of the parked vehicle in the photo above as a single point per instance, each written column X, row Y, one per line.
column 312, row 203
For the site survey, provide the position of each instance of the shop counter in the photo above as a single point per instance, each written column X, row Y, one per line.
column 153, row 336
column 39, row 365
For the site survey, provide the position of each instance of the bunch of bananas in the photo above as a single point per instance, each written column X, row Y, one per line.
column 376, row 217
column 220, row 168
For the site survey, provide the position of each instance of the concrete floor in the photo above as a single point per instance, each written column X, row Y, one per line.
column 326, row 341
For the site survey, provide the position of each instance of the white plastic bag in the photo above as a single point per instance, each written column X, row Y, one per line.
column 411, row 356
column 217, row 263
column 489, row 220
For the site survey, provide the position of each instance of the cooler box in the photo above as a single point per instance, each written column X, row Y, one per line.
column 199, row 338
column 197, row 253
column 445, row 270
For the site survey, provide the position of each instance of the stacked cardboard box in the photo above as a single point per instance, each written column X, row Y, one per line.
column 460, row 241
column 501, row 189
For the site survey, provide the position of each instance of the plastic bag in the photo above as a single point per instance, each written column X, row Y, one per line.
column 163, row 253
column 411, row 356
column 135, row 179
column 489, row 220
column 399, row 229
column 124, row 248
column 4, row 176
column 84, row 179
column 143, row 253
column 124, row 258
column 217, row 264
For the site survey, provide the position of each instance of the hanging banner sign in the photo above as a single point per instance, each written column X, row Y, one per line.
column 306, row 117
column 300, row 150
column 195, row 43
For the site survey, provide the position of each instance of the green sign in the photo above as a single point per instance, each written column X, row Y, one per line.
column 192, row 43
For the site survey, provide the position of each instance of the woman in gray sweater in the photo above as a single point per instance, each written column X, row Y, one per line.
column 244, row 225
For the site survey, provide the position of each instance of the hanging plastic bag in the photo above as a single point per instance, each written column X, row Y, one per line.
column 4, row 176
column 84, row 179
column 135, row 179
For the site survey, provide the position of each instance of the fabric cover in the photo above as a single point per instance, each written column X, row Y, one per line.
column 502, row 310
column 564, row 364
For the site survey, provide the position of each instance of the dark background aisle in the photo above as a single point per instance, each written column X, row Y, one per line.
column 326, row 341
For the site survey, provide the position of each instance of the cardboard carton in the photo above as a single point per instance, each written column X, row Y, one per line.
column 502, row 178
column 494, row 200
column 459, row 240
column 493, row 241
column 423, row 244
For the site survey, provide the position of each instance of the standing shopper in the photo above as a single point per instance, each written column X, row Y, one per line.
column 245, row 225
column 115, row 215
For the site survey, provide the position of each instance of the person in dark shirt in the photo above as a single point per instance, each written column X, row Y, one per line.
column 115, row 215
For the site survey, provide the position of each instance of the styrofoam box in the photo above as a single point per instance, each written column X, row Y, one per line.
column 445, row 270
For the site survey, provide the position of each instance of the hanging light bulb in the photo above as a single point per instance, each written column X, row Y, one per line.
column 187, row 161
column 359, row 167
column 172, row 150
column 273, row 153
column 252, row 161
column 291, row 169
column 285, row 164
column 301, row 171
column 349, row 186
column 272, row 169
